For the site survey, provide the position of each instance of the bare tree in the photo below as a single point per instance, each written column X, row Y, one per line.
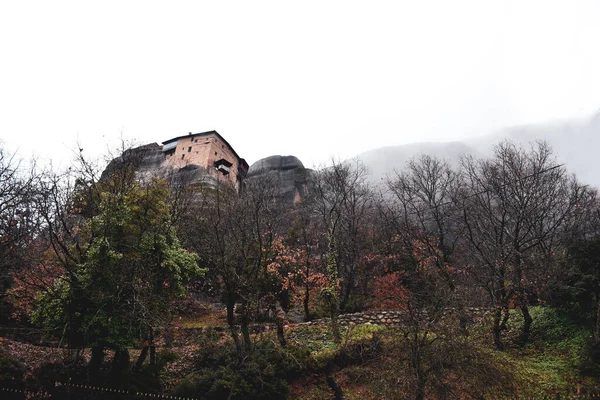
column 420, row 209
column 514, row 207
column 342, row 201
column 234, row 233
column 18, row 217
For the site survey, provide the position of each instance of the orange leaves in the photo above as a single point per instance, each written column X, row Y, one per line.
column 389, row 293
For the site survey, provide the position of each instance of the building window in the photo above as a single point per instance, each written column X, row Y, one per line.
column 215, row 153
column 182, row 156
column 189, row 149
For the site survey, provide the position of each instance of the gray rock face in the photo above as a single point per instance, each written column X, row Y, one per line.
column 143, row 158
column 275, row 163
column 289, row 172
column 148, row 162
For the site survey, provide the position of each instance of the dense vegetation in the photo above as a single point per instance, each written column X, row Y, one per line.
column 106, row 266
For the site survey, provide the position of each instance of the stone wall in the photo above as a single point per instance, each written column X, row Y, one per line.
column 383, row 318
column 390, row 318
column 203, row 151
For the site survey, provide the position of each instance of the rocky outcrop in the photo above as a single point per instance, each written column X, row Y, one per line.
column 288, row 171
column 148, row 162
column 143, row 159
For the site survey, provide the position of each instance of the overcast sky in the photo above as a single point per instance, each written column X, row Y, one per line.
column 313, row 78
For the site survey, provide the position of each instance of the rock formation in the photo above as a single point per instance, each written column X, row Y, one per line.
column 148, row 162
column 288, row 171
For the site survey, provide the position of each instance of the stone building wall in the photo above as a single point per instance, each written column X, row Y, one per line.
column 203, row 150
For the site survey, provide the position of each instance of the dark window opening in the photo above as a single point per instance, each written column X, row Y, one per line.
column 182, row 156
column 189, row 149
column 215, row 153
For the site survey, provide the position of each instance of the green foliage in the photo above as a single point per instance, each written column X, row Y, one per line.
column 555, row 359
column 187, row 386
column 574, row 286
column 357, row 342
column 148, row 378
column 133, row 268
column 553, row 331
column 263, row 373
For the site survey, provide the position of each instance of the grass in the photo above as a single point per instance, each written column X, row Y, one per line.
column 209, row 317
column 318, row 339
column 552, row 362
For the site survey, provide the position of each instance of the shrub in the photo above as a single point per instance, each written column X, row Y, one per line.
column 262, row 373
column 11, row 369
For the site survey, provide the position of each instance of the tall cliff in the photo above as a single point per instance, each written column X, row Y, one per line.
column 147, row 160
column 288, row 171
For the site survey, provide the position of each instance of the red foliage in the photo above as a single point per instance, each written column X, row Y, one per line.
column 38, row 274
column 389, row 293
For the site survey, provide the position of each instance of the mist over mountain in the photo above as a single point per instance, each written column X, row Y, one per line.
column 574, row 142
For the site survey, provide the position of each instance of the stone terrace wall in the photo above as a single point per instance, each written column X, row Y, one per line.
column 388, row 318
column 383, row 317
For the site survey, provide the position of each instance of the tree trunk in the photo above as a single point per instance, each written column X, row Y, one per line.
column 595, row 350
column 463, row 317
column 497, row 328
column 332, row 294
column 335, row 326
column 95, row 362
column 141, row 358
column 337, row 390
column 245, row 324
column 420, row 388
column 505, row 319
column 306, row 301
column 345, row 297
column 120, row 363
column 416, row 364
column 597, row 327
column 526, row 326
column 152, row 354
column 152, row 348
column 230, row 304
column 280, row 320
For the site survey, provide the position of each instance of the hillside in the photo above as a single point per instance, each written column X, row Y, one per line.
column 575, row 142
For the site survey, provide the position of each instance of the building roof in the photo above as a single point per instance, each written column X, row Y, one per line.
column 208, row 133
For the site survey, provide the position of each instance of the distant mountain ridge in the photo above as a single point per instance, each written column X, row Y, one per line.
column 575, row 143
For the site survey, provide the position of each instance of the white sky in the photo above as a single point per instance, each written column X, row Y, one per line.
column 313, row 78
